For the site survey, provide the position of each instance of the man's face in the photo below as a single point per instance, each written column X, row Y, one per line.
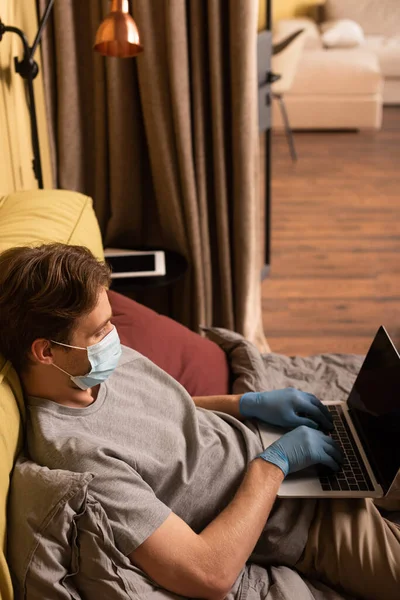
column 90, row 330
column 46, row 381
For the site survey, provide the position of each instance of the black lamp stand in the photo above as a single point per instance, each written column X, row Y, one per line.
column 28, row 69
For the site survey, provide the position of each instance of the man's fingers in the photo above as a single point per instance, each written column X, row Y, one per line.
column 334, row 451
column 314, row 412
column 330, row 462
column 305, row 421
column 321, row 406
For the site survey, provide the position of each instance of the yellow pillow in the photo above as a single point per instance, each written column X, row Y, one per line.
column 12, row 416
column 44, row 216
column 29, row 218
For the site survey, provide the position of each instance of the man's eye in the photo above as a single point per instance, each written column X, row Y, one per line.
column 101, row 332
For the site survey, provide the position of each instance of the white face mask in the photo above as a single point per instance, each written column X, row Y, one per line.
column 103, row 358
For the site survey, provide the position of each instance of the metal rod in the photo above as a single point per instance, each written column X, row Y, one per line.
column 42, row 25
column 288, row 129
column 37, row 163
column 269, row 14
column 268, row 172
column 21, row 34
column 268, row 196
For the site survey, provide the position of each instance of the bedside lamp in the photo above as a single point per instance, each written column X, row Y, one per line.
column 117, row 36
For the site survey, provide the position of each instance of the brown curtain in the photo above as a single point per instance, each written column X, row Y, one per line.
column 167, row 144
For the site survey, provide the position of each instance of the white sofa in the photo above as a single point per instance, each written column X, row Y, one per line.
column 344, row 88
column 380, row 21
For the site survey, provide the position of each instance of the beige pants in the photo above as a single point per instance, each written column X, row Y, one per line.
column 351, row 546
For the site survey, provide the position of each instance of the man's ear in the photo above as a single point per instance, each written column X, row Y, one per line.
column 41, row 352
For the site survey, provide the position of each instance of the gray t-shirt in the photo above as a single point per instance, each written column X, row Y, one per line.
column 152, row 451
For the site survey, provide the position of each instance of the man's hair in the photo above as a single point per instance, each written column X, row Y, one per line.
column 43, row 293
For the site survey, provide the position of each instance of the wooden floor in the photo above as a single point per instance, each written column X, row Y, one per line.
column 335, row 248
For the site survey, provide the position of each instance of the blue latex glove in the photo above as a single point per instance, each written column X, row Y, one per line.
column 286, row 408
column 301, row 448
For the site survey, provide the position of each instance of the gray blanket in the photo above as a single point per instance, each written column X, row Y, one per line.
column 327, row 376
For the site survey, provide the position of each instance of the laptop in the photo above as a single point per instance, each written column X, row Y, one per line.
column 366, row 426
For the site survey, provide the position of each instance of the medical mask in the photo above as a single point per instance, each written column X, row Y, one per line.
column 103, row 358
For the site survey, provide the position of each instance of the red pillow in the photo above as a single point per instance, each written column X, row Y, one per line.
column 197, row 363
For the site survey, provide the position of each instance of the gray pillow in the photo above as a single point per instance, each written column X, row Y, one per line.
column 104, row 572
column 61, row 545
column 327, row 376
column 42, row 506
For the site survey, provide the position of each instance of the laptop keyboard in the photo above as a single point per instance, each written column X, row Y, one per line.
column 353, row 476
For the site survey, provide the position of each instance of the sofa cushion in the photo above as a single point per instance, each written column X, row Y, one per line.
column 11, row 419
column 338, row 71
column 344, row 33
column 387, row 50
column 47, row 216
column 197, row 363
column 374, row 16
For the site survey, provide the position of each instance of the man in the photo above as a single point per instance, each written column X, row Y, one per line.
column 186, row 484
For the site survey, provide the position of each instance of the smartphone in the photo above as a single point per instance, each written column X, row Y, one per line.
column 135, row 263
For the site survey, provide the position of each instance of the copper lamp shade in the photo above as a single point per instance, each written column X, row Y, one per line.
column 118, row 35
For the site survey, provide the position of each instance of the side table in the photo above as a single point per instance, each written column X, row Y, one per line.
column 176, row 266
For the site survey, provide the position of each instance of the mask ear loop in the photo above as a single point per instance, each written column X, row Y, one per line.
column 60, row 369
column 68, row 345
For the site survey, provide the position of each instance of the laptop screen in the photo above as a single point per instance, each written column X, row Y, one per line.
column 374, row 405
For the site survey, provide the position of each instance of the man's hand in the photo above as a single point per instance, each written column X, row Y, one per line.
column 286, row 408
column 303, row 448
